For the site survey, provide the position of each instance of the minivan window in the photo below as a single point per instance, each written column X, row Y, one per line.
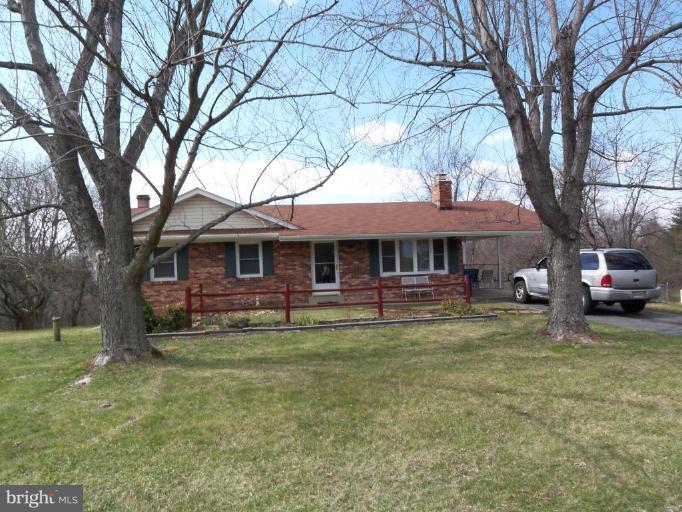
column 589, row 261
column 626, row 261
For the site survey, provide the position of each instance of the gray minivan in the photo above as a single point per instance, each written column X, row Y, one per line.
column 608, row 275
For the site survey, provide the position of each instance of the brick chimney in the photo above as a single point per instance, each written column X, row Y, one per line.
column 143, row 202
column 441, row 192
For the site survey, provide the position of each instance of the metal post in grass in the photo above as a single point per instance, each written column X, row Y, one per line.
column 188, row 306
column 467, row 289
column 56, row 328
column 380, row 298
column 287, row 304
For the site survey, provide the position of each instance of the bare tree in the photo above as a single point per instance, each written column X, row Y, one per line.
column 623, row 216
column 100, row 86
column 555, row 70
column 34, row 239
column 471, row 180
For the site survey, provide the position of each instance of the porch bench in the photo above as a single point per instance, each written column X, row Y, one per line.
column 417, row 280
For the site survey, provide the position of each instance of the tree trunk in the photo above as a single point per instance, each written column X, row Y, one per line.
column 26, row 322
column 123, row 330
column 566, row 318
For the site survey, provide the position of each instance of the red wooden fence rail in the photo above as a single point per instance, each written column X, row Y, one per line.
column 288, row 306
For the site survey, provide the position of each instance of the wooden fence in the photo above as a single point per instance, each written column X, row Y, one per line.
column 288, row 305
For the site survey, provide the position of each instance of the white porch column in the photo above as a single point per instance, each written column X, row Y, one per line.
column 464, row 253
column 499, row 265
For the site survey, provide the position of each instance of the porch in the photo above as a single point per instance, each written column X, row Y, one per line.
column 483, row 273
column 503, row 294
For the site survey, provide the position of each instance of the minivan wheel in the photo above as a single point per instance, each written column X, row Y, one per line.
column 521, row 292
column 587, row 300
column 633, row 306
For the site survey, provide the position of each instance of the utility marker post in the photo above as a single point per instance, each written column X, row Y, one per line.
column 57, row 328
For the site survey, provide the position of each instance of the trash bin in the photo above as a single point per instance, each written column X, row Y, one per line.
column 473, row 277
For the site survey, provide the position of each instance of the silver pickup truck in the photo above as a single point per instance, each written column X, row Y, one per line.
column 608, row 275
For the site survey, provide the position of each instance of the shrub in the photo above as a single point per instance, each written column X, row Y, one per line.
column 238, row 321
column 458, row 307
column 305, row 319
column 151, row 320
column 172, row 318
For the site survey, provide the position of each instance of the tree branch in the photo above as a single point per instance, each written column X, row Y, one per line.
column 29, row 211
column 631, row 185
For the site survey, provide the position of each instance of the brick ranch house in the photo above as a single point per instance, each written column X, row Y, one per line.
column 320, row 247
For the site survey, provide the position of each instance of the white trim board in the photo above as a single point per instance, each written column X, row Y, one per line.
column 222, row 200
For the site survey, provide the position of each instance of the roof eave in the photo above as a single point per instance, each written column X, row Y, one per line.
column 212, row 237
column 390, row 236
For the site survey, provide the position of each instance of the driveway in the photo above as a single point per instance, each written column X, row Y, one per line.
column 664, row 323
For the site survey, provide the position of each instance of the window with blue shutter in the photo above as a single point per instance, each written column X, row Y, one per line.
column 268, row 259
column 374, row 262
column 183, row 263
column 453, row 261
column 230, row 260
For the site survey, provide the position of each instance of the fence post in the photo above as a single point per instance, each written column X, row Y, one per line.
column 57, row 328
column 188, row 306
column 467, row 288
column 287, row 304
column 380, row 299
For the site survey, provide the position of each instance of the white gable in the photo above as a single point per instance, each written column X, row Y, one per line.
column 194, row 212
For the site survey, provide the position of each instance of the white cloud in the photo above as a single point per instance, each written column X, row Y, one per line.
column 353, row 183
column 377, row 133
column 501, row 135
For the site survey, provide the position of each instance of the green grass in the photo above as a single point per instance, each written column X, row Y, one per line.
column 466, row 417
column 666, row 307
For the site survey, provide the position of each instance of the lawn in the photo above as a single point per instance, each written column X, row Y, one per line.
column 672, row 305
column 666, row 307
column 466, row 417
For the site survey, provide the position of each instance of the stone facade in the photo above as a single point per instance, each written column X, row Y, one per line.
column 292, row 265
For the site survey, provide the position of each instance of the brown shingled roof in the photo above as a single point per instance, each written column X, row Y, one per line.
column 356, row 219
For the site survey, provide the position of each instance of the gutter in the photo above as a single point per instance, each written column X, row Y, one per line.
column 391, row 236
column 227, row 237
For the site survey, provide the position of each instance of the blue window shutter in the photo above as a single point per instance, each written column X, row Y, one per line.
column 230, row 260
column 374, row 264
column 147, row 276
column 183, row 263
column 453, row 263
column 268, row 259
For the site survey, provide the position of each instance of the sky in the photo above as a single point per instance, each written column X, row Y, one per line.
column 358, row 120
column 370, row 175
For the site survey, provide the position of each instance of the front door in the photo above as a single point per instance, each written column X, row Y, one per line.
column 325, row 265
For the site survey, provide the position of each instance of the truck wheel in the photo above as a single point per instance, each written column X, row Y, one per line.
column 633, row 306
column 587, row 300
column 521, row 292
